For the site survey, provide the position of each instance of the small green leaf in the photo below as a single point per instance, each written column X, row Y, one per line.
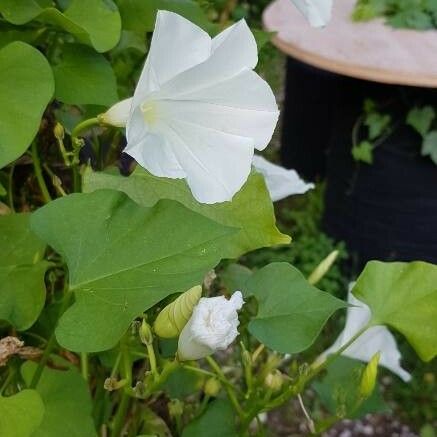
column 67, row 403
column 421, row 119
column 123, row 259
column 363, row 152
column 93, row 22
column 217, row 421
column 251, row 210
column 84, row 77
column 404, row 296
column 291, row 312
column 377, row 124
column 429, row 145
column 21, row 102
column 139, row 16
column 21, row 414
column 22, row 287
column 339, row 390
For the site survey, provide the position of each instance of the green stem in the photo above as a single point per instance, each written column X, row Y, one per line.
column 229, row 389
column 84, row 365
column 38, row 173
column 11, row 188
column 152, row 360
column 119, row 418
column 50, row 344
column 7, row 380
column 84, row 125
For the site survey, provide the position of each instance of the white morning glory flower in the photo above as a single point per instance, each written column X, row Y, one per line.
column 212, row 326
column 199, row 109
column 317, row 12
column 280, row 182
column 375, row 339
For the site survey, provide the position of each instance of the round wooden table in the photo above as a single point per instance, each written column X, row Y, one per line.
column 371, row 51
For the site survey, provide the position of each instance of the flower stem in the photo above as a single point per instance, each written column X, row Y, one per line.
column 152, row 360
column 228, row 387
column 38, row 173
column 84, row 125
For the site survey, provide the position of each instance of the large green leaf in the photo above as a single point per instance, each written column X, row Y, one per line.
column 217, row 421
column 21, row 414
column 21, row 102
column 251, row 210
column 22, row 288
column 339, row 390
column 139, row 16
column 84, row 77
column 67, row 403
column 123, row 259
column 404, row 296
column 291, row 312
column 93, row 22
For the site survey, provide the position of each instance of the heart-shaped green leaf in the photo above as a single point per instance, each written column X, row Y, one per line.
column 21, row 414
column 123, row 259
column 93, row 22
column 84, row 77
column 404, row 296
column 21, row 102
column 22, row 288
column 67, row 403
column 291, row 312
column 251, row 209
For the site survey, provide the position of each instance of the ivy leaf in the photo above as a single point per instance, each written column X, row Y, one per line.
column 429, row 145
column 404, row 296
column 251, row 209
column 67, row 403
column 217, row 421
column 93, row 22
column 139, row 16
column 421, row 119
column 21, row 414
column 123, row 259
column 21, row 102
column 84, row 77
column 22, row 287
column 377, row 124
column 363, row 152
column 291, row 312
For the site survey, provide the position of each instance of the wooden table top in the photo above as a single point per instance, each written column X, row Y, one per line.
column 371, row 50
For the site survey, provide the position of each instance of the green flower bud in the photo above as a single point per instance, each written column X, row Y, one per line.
column 368, row 378
column 172, row 319
column 323, row 268
column 212, row 387
column 175, row 408
column 59, row 132
column 274, row 380
column 145, row 332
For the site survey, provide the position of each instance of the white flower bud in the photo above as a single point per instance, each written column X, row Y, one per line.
column 118, row 114
column 213, row 326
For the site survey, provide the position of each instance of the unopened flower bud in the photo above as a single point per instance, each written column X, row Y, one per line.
column 323, row 268
column 58, row 131
column 145, row 332
column 212, row 387
column 112, row 384
column 175, row 408
column 368, row 378
column 172, row 319
column 274, row 380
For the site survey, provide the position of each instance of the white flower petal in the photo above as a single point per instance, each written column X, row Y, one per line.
column 243, row 106
column 376, row 338
column 216, row 164
column 280, row 182
column 317, row 12
column 234, row 53
column 212, row 326
column 118, row 114
column 177, row 45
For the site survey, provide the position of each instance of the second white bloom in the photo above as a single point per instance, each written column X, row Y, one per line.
column 212, row 326
column 199, row 109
